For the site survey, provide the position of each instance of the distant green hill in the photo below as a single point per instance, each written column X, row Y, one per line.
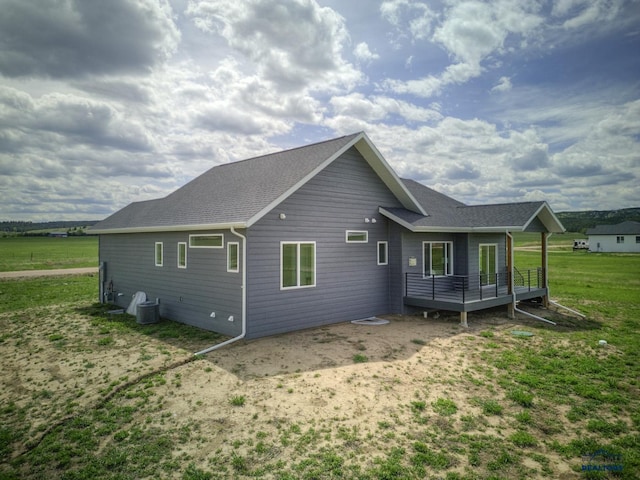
column 581, row 221
column 42, row 228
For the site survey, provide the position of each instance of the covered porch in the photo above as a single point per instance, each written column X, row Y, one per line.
column 468, row 293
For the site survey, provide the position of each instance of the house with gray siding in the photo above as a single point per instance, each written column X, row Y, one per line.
column 315, row 235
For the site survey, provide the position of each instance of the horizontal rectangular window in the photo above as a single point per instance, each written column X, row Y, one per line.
column 182, row 255
column 383, row 253
column 206, row 241
column 620, row 239
column 357, row 236
column 159, row 254
column 232, row 257
column 297, row 264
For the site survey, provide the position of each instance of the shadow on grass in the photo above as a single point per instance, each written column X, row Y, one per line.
column 173, row 333
column 564, row 322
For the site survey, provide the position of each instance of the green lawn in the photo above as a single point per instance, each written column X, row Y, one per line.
column 557, row 397
column 44, row 253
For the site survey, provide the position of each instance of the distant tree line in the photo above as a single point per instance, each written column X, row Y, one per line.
column 581, row 221
column 36, row 229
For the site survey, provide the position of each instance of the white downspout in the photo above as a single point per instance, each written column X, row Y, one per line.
column 513, row 287
column 244, row 299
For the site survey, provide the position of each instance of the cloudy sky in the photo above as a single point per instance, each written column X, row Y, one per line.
column 107, row 102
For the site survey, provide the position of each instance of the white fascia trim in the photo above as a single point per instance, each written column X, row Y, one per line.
column 375, row 159
column 547, row 210
column 167, row 228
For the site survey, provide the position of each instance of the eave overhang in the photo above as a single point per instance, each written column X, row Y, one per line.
column 168, row 228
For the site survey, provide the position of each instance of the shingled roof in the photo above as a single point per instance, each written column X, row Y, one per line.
column 624, row 228
column 239, row 194
column 447, row 214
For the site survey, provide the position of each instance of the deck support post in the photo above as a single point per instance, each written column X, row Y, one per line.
column 463, row 319
column 511, row 311
column 545, row 268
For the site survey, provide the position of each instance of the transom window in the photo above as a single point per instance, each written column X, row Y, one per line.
column 182, row 254
column 232, row 257
column 159, row 254
column 383, row 253
column 357, row 236
column 209, row 240
column 297, row 265
column 438, row 258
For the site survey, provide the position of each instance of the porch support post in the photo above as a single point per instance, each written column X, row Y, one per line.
column 463, row 319
column 545, row 268
column 509, row 263
column 511, row 308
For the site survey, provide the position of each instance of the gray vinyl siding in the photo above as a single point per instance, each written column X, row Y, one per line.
column 349, row 283
column 396, row 268
column 186, row 295
column 536, row 225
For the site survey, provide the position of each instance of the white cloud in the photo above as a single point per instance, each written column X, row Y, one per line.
column 75, row 38
column 471, row 32
column 408, row 15
column 363, row 54
column 378, row 108
column 305, row 54
column 504, row 85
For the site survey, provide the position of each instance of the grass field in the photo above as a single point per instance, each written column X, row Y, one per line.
column 84, row 394
column 45, row 253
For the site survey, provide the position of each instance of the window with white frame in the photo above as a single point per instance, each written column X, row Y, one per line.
column 207, row 240
column 357, row 236
column 438, row 258
column 620, row 239
column 383, row 253
column 297, row 265
column 159, row 254
column 488, row 263
column 637, row 238
column 232, row 257
column 182, row 254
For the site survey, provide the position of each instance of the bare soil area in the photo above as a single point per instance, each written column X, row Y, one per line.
column 361, row 388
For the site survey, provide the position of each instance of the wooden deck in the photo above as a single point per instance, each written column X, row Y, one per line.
column 471, row 305
column 465, row 294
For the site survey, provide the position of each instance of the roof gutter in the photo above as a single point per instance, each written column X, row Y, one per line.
column 244, row 299
column 167, row 228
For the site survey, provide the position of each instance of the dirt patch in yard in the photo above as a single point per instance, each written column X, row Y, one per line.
column 361, row 390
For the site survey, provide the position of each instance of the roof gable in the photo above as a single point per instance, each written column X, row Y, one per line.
column 240, row 193
column 447, row 214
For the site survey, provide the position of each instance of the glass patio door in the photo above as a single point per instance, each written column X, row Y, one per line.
column 488, row 263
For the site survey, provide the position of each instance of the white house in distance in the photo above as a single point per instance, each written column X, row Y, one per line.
column 623, row 237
